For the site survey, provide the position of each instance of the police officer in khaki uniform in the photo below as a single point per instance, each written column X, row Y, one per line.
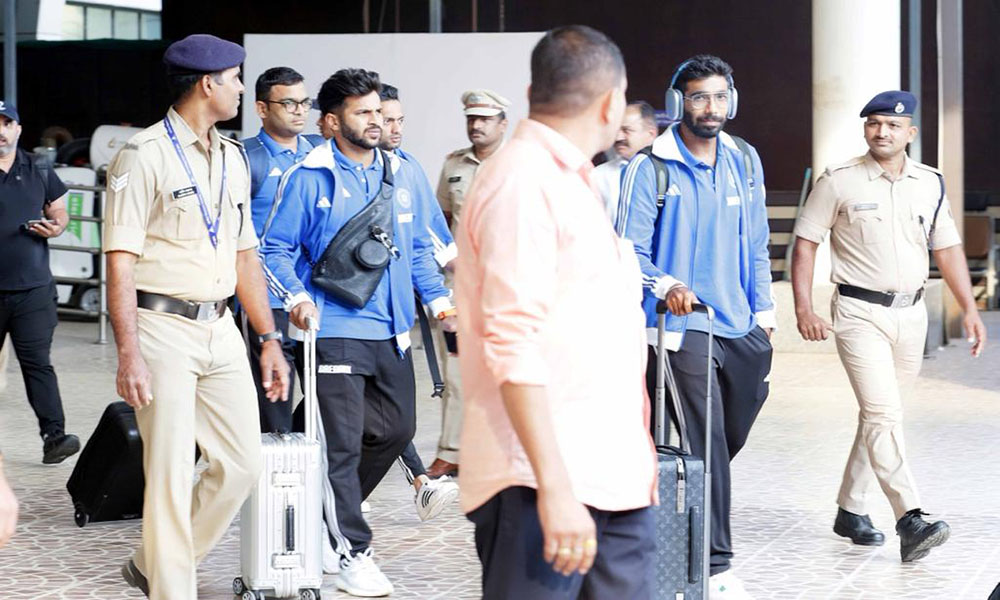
column 179, row 241
column 486, row 123
column 884, row 212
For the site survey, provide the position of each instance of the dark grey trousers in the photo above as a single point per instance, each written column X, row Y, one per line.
column 509, row 544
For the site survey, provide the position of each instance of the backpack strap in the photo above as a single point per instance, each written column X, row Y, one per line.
column 257, row 161
column 662, row 176
column 744, row 148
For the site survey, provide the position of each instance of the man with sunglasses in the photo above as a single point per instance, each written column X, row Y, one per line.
column 282, row 105
column 703, row 237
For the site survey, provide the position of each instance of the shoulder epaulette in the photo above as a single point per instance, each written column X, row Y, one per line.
column 845, row 165
column 927, row 168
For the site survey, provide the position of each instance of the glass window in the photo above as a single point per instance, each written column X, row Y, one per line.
column 72, row 25
column 126, row 24
column 150, row 26
column 98, row 23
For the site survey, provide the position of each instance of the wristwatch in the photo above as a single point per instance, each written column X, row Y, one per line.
column 274, row 335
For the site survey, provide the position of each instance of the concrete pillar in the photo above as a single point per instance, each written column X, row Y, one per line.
column 951, row 141
column 855, row 55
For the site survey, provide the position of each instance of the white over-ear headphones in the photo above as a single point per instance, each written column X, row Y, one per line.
column 674, row 101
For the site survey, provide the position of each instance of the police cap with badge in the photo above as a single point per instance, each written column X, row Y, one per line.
column 202, row 53
column 894, row 103
column 484, row 103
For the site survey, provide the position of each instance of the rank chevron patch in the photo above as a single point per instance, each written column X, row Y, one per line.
column 118, row 183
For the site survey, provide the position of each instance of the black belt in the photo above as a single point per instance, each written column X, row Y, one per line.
column 890, row 299
column 196, row 311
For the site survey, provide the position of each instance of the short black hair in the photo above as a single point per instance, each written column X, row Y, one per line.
column 389, row 92
column 700, row 67
column 344, row 84
column 180, row 84
column 570, row 67
column 275, row 76
column 646, row 112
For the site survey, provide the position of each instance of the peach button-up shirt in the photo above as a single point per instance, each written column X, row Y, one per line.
column 548, row 295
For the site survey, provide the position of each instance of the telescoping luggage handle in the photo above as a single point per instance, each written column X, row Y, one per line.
column 309, row 383
column 665, row 372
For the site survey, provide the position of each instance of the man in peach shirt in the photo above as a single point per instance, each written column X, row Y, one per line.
column 553, row 348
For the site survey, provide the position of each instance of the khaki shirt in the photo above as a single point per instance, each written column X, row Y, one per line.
column 151, row 210
column 880, row 227
column 456, row 176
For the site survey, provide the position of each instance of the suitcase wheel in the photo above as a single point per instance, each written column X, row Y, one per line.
column 308, row 594
column 249, row 595
column 238, row 587
column 80, row 515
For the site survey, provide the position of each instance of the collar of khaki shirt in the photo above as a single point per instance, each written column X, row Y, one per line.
column 186, row 136
column 875, row 170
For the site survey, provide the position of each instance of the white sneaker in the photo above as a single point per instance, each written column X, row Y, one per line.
column 331, row 560
column 434, row 495
column 366, row 507
column 726, row 586
column 360, row 576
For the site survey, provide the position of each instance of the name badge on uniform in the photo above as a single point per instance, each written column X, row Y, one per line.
column 184, row 193
column 454, row 179
column 869, row 206
column 405, row 217
column 732, row 200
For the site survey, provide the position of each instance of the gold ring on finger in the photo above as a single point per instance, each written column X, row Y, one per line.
column 590, row 543
column 563, row 551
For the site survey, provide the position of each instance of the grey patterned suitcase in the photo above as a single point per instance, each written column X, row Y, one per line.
column 682, row 519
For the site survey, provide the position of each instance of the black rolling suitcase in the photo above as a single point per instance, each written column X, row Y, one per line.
column 107, row 483
column 683, row 515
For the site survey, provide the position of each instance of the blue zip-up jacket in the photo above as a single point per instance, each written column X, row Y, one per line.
column 310, row 208
column 666, row 241
column 445, row 249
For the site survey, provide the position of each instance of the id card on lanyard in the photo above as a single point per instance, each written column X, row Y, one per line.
column 212, row 226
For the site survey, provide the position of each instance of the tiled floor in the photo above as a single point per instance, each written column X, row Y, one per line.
column 785, row 483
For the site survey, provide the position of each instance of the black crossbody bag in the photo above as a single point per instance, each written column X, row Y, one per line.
column 356, row 258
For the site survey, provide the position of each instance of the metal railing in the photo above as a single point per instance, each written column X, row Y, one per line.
column 99, row 280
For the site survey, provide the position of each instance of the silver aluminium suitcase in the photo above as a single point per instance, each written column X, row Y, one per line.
column 683, row 517
column 281, row 523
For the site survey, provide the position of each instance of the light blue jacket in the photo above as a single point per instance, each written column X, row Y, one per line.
column 308, row 213
column 665, row 239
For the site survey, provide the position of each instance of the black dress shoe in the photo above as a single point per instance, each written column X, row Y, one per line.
column 857, row 527
column 59, row 446
column 134, row 577
column 917, row 536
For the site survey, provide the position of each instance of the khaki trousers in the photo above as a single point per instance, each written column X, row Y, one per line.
column 881, row 348
column 451, row 399
column 202, row 393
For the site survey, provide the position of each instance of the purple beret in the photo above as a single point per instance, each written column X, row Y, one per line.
column 203, row 53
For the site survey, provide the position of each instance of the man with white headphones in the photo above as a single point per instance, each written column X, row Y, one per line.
column 693, row 205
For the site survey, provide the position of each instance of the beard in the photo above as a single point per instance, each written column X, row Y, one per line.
column 703, row 129
column 357, row 137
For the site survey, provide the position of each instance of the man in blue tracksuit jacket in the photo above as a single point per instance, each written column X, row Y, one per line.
column 706, row 240
column 282, row 104
column 365, row 379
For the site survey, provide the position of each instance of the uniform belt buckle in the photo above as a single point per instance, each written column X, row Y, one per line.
column 207, row 311
column 902, row 300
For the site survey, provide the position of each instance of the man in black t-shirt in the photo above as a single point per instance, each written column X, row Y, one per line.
column 32, row 210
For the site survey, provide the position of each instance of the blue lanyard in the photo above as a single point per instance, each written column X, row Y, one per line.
column 212, row 226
